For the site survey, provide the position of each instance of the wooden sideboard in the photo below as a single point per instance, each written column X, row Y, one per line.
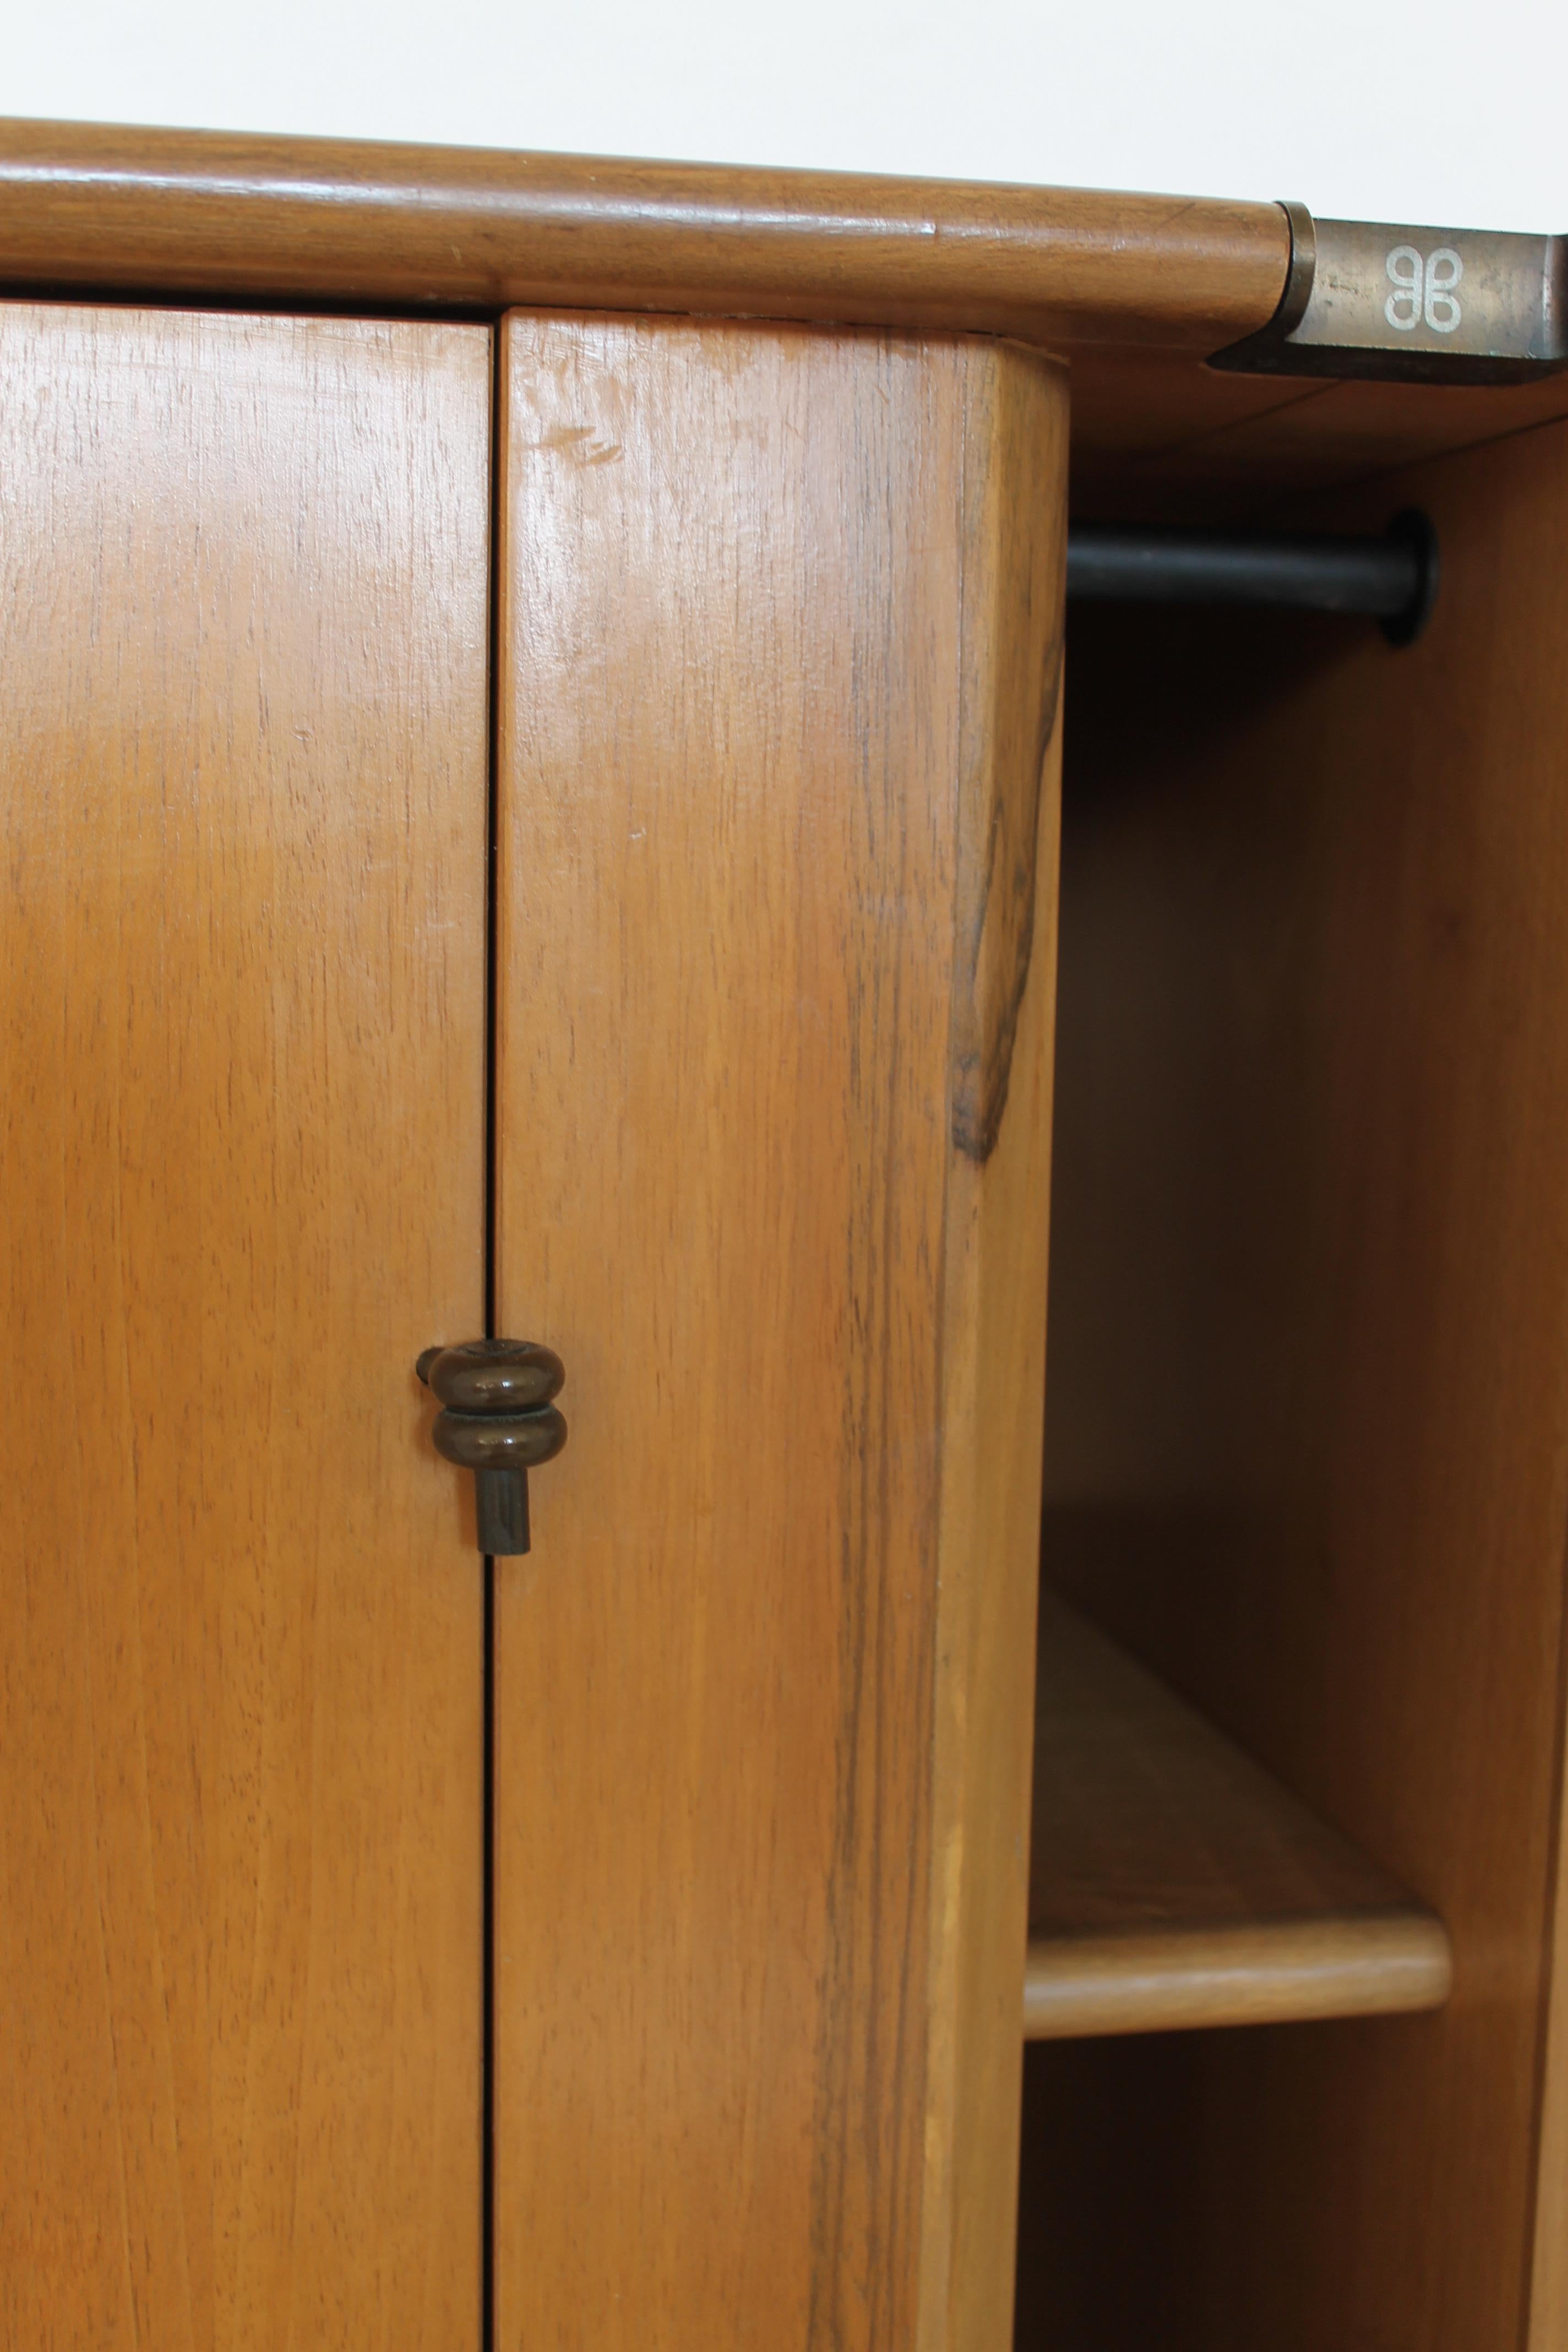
column 541, row 794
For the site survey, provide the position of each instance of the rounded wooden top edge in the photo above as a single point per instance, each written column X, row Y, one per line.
column 227, row 215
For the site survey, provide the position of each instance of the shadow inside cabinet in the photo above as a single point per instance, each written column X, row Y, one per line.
column 1106, row 2206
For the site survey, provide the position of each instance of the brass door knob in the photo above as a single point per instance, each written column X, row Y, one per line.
column 496, row 1421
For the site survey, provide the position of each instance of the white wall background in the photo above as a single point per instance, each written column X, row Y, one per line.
column 1449, row 114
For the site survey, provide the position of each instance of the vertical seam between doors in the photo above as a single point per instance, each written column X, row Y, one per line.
column 488, row 1805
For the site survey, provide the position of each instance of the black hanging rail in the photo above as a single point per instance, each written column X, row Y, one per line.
column 1392, row 579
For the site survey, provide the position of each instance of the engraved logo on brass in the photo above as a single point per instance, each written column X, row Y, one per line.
column 1423, row 288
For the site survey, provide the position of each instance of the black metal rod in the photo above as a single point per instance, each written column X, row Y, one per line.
column 1392, row 579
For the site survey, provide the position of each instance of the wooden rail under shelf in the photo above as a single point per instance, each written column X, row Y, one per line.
column 1174, row 1883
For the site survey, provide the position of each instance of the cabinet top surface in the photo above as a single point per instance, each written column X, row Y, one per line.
column 356, row 221
column 1133, row 292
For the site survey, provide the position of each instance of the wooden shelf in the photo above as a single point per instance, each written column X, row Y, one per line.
column 1174, row 1883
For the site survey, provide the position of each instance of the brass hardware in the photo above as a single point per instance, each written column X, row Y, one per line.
column 1414, row 305
column 496, row 1421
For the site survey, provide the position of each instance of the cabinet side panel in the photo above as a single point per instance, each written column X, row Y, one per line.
column 733, row 1013
column 242, row 805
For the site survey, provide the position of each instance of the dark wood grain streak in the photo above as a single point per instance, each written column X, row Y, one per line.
column 998, row 872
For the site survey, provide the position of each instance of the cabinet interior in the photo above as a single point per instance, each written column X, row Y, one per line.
column 1305, row 1456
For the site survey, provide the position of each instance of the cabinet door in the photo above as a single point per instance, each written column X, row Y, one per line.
column 242, row 807
column 780, row 644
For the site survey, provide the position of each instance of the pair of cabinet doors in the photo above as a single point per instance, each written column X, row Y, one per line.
column 546, row 827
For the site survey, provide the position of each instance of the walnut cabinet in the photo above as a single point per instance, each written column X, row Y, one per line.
column 531, row 793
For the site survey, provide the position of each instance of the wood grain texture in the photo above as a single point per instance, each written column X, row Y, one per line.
column 1152, row 426
column 1142, row 417
column 1174, row 1883
column 1308, row 1443
column 1136, row 290
column 780, row 628
column 1549, row 2261
column 293, row 219
column 242, row 795
column 1165, row 1979
column 990, row 1433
